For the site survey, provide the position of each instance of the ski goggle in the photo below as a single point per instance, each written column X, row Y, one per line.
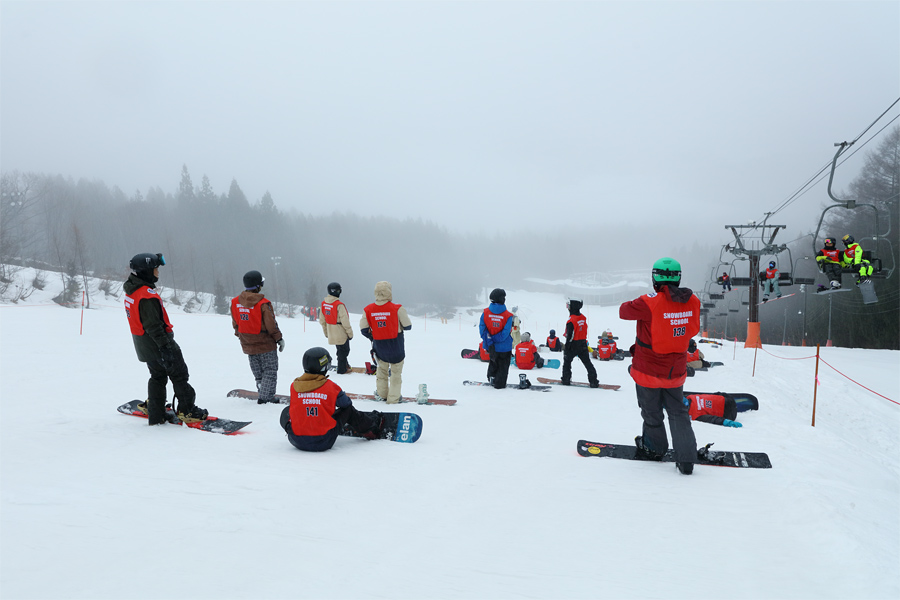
column 160, row 259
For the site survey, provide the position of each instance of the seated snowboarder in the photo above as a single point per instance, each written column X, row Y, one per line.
column 320, row 409
column 695, row 358
column 554, row 342
column 719, row 408
column 527, row 355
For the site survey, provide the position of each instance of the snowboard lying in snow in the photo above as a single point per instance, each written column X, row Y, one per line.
column 603, row 386
column 211, row 424
column 744, row 460
column 397, row 427
column 534, row 388
column 282, row 399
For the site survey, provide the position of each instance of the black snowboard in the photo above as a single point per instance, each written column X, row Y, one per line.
column 469, row 353
column 534, row 388
column 745, row 460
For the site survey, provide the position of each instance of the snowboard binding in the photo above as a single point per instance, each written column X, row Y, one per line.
column 422, row 396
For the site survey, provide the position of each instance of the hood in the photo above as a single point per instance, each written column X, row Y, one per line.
column 133, row 283
column 309, row 382
column 677, row 294
column 497, row 309
column 250, row 299
column 383, row 293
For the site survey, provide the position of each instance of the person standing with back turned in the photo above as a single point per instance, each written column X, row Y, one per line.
column 335, row 321
column 667, row 319
column 495, row 327
column 384, row 322
column 253, row 320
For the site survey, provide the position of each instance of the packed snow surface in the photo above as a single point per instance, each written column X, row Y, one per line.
column 491, row 502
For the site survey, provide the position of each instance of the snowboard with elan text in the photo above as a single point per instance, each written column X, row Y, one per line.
column 211, row 424
column 743, row 460
column 396, row 427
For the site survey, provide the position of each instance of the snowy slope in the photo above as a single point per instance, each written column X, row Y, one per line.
column 492, row 502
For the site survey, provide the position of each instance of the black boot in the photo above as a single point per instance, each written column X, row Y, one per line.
column 643, row 452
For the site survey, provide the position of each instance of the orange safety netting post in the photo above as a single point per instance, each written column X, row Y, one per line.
column 752, row 336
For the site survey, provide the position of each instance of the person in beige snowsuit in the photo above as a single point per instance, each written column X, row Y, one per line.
column 384, row 322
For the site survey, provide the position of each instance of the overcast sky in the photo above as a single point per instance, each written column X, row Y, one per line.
column 672, row 116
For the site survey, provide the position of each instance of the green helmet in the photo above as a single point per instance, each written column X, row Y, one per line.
column 667, row 270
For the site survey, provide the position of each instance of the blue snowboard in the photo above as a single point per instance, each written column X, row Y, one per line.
column 397, row 427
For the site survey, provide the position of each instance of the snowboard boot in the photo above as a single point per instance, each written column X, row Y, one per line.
column 685, row 468
column 155, row 411
column 595, row 384
column 643, row 452
column 524, row 384
column 378, row 398
column 192, row 415
column 377, row 430
column 835, row 285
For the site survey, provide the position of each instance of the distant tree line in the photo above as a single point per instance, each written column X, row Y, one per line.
column 85, row 228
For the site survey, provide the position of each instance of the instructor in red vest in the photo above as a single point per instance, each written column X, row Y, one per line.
column 335, row 321
column 384, row 322
column 253, row 320
column 667, row 319
column 154, row 342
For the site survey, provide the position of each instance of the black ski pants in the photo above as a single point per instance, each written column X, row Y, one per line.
column 498, row 367
column 580, row 349
column 156, row 389
column 652, row 402
column 343, row 351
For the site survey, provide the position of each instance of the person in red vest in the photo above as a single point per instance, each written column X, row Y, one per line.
column 695, row 358
column 495, row 327
column 829, row 261
column 666, row 319
column 253, row 320
column 719, row 408
column 335, row 321
column 576, row 344
column 770, row 282
column 553, row 342
column 527, row 355
column 154, row 343
column 725, row 280
column 320, row 410
column 384, row 322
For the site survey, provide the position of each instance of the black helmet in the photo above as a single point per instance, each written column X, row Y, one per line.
column 574, row 303
column 334, row 289
column 316, row 361
column 771, row 264
column 253, row 279
column 830, row 241
column 498, row 296
column 146, row 262
column 848, row 239
column 552, row 332
column 692, row 345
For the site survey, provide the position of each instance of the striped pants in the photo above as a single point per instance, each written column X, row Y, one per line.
column 265, row 371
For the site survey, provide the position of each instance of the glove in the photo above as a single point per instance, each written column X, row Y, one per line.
column 167, row 356
column 280, row 345
column 172, row 361
column 730, row 423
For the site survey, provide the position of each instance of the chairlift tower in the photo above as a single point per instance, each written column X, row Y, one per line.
column 740, row 249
